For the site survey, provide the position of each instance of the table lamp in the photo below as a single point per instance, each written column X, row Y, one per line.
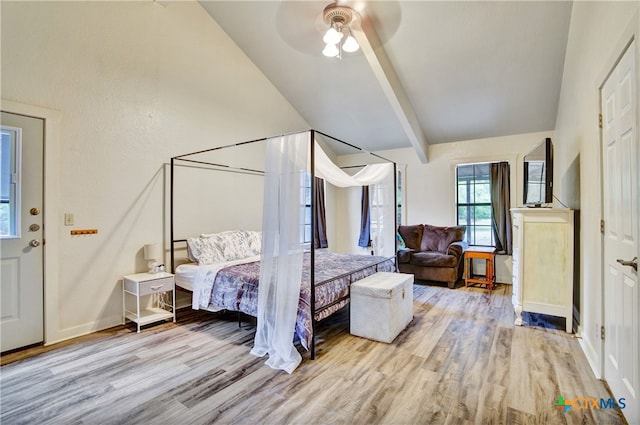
column 153, row 254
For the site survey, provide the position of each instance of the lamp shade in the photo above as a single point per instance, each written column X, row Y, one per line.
column 153, row 252
column 350, row 45
column 331, row 51
column 332, row 36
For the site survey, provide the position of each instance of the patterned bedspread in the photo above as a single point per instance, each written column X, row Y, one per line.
column 236, row 287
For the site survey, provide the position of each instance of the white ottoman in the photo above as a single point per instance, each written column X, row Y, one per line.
column 381, row 305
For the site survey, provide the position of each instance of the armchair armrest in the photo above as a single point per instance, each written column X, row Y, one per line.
column 457, row 249
column 404, row 255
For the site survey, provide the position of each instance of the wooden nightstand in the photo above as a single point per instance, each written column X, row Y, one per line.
column 486, row 253
column 157, row 286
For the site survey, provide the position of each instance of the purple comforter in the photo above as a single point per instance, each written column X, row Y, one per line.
column 236, row 287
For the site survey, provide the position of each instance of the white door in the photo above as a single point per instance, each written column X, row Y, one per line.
column 21, row 233
column 620, row 195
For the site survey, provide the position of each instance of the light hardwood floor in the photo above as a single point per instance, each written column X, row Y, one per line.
column 460, row 361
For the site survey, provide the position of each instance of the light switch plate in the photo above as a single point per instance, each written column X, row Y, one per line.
column 68, row 219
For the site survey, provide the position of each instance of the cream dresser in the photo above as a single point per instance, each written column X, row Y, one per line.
column 543, row 262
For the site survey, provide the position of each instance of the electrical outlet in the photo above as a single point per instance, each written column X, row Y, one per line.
column 68, row 219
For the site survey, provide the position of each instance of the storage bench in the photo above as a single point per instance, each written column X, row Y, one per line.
column 381, row 305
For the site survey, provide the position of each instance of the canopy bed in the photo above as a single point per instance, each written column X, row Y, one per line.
column 279, row 274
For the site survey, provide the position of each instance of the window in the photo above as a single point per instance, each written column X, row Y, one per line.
column 536, row 182
column 399, row 197
column 305, row 197
column 9, row 182
column 474, row 203
column 376, row 211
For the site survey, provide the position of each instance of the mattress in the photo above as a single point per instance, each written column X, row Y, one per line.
column 186, row 274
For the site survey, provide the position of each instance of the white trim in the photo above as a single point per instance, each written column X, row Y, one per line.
column 591, row 354
column 51, row 217
column 16, row 214
column 402, row 169
column 87, row 328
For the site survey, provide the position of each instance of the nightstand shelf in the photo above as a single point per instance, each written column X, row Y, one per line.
column 150, row 315
column 160, row 287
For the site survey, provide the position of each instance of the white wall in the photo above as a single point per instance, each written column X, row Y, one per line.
column 348, row 208
column 435, row 180
column 430, row 188
column 135, row 83
column 598, row 34
column 348, row 227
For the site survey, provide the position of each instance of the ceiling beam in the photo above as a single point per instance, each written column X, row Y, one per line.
column 390, row 84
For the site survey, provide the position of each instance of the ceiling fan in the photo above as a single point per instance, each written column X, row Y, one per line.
column 302, row 24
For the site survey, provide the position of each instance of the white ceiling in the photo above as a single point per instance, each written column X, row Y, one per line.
column 469, row 70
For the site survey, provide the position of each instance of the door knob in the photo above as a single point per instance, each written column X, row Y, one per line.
column 34, row 211
column 34, row 243
column 633, row 263
column 34, row 227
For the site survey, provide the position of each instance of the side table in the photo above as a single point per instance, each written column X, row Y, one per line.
column 487, row 253
column 158, row 285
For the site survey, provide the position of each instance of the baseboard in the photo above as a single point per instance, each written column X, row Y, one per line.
column 590, row 353
column 85, row 329
column 504, row 279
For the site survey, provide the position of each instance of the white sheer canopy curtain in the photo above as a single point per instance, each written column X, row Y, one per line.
column 382, row 196
column 369, row 175
column 382, row 215
column 287, row 162
column 282, row 251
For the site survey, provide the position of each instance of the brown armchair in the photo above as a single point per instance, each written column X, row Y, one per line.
column 432, row 252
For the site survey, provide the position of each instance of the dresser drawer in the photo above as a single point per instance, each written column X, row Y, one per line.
column 156, row 285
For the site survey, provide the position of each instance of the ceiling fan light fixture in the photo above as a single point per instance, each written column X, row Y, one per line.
column 338, row 18
column 331, row 51
column 332, row 36
column 350, row 45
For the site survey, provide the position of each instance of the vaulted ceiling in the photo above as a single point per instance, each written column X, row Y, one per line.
column 428, row 72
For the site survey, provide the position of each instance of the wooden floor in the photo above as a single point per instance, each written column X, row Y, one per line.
column 460, row 361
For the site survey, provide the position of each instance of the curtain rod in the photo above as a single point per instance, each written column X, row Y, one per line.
column 241, row 143
column 180, row 157
column 355, row 147
column 221, row 165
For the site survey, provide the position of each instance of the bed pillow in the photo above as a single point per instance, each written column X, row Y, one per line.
column 204, row 251
column 227, row 246
column 232, row 245
column 252, row 242
column 255, row 242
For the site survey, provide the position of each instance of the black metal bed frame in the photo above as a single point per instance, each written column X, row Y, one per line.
column 183, row 158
